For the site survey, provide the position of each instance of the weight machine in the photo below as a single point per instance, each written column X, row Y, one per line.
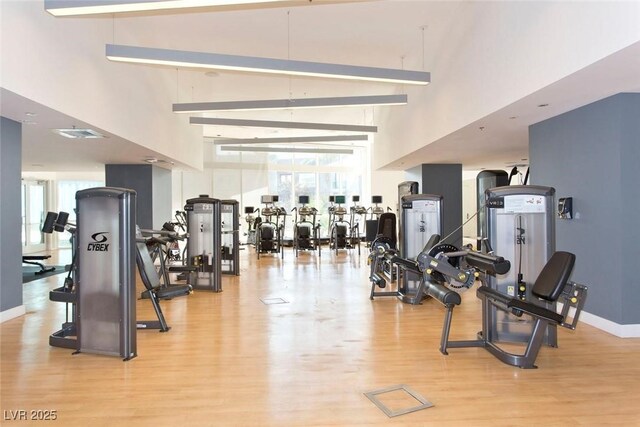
column 230, row 229
column 306, row 231
column 204, row 247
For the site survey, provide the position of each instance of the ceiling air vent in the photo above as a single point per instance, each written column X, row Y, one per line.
column 78, row 133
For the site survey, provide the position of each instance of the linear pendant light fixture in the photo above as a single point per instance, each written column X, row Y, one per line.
column 281, row 104
column 287, row 150
column 93, row 7
column 280, row 125
column 301, row 139
column 217, row 61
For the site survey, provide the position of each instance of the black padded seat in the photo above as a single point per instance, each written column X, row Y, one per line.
column 554, row 276
column 548, row 286
column 173, row 291
column 33, row 260
column 534, row 310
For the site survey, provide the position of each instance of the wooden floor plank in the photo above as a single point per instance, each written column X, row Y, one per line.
column 229, row 359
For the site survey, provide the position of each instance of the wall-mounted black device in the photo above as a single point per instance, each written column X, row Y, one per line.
column 565, row 208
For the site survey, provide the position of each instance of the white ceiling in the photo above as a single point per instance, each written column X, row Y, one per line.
column 379, row 33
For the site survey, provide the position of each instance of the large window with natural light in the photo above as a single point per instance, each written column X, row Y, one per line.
column 245, row 176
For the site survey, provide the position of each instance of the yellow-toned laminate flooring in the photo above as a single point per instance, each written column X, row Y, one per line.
column 230, row 360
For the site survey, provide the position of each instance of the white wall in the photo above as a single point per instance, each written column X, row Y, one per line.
column 385, row 184
column 497, row 53
column 52, row 61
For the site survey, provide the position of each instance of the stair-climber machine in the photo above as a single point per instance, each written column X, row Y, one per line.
column 340, row 236
column 306, row 230
column 270, row 227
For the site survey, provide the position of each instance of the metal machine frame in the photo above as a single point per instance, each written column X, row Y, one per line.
column 230, row 230
column 204, row 247
column 105, row 268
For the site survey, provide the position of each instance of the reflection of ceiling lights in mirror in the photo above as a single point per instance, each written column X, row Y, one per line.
column 287, row 150
column 78, row 133
column 217, row 61
column 283, row 104
column 92, row 7
column 301, row 139
column 282, row 125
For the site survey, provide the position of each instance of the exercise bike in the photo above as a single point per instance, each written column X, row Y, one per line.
column 306, row 231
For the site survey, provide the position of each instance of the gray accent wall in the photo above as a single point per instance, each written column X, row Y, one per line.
column 446, row 180
column 10, row 214
column 153, row 187
column 593, row 155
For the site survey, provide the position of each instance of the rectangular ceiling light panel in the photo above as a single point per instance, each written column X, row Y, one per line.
column 78, row 133
column 279, row 124
column 302, row 139
column 281, row 104
column 94, row 7
column 287, row 150
column 217, row 61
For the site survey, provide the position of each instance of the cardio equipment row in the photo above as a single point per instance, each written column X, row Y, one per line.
column 266, row 226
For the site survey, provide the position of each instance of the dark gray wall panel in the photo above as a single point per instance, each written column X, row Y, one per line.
column 592, row 155
column 446, row 180
column 10, row 214
column 140, row 179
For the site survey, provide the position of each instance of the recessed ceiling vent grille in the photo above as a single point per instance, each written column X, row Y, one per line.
column 78, row 133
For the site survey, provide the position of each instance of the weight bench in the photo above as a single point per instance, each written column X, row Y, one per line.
column 551, row 286
column 33, row 260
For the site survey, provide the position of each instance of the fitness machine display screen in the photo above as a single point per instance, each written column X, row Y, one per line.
column 303, row 200
column 340, row 199
column 355, row 198
column 376, row 199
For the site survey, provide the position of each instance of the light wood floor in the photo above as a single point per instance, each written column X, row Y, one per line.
column 231, row 360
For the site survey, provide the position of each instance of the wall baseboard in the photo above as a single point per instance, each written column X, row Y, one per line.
column 621, row 331
column 12, row 313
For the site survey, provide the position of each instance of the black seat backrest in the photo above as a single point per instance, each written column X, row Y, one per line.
column 147, row 269
column 554, row 276
column 387, row 227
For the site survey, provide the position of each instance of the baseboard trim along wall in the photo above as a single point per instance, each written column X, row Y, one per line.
column 12, row 313
column 620, row 331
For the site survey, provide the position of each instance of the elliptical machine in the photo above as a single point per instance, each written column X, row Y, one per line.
column 270, row 228
column 306, row 231
column 251, row 224
column 340, row 235
column 358, row 216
